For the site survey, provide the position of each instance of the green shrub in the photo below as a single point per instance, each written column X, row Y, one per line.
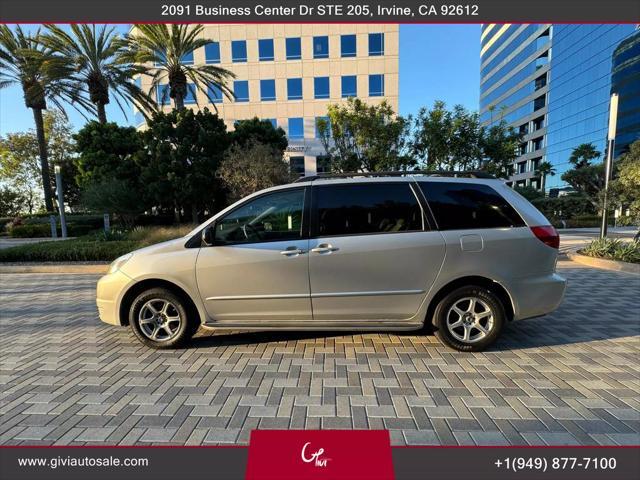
column 151, row 235
column 75, row 250
column 613, row 249
column 43, row 230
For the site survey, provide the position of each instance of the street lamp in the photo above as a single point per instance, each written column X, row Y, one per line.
column 63, row 222
column 613, row 118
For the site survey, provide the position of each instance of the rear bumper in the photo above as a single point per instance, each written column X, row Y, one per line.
column 535, row 296
column 109, row 292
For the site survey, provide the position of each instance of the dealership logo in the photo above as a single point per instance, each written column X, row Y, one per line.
column 316, row 458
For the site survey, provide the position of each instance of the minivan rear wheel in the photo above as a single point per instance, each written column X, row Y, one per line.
column 469, row 319
column 159, row 319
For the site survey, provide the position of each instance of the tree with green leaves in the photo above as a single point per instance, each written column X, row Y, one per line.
column 12, row 202
column 252, row 166
column 255, row 130
column 163, row 48
column 19, row 160
column 98, row 56
column 544, row 169
column 499, row 144
column 108, row 169
column 588, row 180
column 583, row 154
column 433, row 131
column 360, row 137
column 182, row 152
column 45, row 77
column 625, row 187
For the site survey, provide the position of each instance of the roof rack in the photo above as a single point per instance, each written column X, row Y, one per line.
column 431, row 173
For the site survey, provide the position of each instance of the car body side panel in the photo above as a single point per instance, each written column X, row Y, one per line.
column 374, row 277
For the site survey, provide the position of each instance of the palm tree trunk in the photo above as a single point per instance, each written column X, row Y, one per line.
column 194, row 214
column 102, row 114
column 179, row 102
column 543, row 179
column 44, row 160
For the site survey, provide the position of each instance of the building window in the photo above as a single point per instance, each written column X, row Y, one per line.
column 539, row 103
column 162, row 57
column 538, row 123
column 267, row 90
column 522, row 167
column 294, row 48
column 187, row 58
column 162, row 94
column 241, row 90
column 522, row 149
column 321, row 47
column 376, row 85
column 190, row 97
column 537, row 143
column 349, row 86
column 294, row 89
column 523, row 129
column 323, row 164
column 296, row 128
column 296, row 165
column 212, row 52
column 347, row 46
column 239, row 51
column 265, row 50
column 215, row 93
column 320, row 88
column 273, row 122
column 376, row 44
column 325, row 122
column 541, row 82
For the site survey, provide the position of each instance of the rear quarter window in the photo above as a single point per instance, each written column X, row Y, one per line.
column 463, row 206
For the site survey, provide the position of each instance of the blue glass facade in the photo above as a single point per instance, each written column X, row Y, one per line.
column 580, row 90
column 551, row 83
column 625, row 81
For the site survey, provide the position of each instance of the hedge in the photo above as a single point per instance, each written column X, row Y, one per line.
column 43, row 230
column 75, row 250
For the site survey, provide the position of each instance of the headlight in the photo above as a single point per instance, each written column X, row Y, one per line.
column 119, row 262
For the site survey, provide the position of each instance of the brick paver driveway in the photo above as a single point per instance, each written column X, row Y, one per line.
column 570, row 378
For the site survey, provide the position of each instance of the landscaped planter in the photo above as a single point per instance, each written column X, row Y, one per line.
column 604, row 263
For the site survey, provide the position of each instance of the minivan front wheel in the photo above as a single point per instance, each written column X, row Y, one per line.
column 469, row 319
column 159, row 319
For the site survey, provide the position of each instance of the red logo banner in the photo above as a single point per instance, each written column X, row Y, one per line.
column 319, row 454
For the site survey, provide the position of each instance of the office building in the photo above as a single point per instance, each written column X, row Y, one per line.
column 288, row 74
column 552, row 83
column 625, row 81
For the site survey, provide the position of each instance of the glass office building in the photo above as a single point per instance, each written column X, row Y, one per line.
column 552, row 83
column 625, row 81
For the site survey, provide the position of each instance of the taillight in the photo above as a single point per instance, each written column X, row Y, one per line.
column 547, row 235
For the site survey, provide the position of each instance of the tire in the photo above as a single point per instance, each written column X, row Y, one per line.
column 466, row 326
column 170, row 326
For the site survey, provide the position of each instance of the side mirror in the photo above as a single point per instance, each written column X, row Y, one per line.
column 208, row 235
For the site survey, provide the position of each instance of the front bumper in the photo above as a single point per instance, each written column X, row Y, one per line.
column 109, row 293
column 536, row 296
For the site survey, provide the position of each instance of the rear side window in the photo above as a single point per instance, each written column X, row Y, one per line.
column 462, row 206
column 366, row 209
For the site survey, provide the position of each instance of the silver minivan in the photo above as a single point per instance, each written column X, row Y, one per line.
column 465, row 254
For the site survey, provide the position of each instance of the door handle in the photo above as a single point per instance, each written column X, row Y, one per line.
column 324, row 248
column 291, row 251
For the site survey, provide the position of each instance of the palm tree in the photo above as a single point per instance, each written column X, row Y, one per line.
column 582, row 155
column 164, row 47
column 44, row 77
column 544, row 169
column 96, row 54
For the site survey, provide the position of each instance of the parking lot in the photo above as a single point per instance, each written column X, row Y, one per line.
column 572, row 377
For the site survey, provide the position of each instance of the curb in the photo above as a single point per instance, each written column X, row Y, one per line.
column 86, row 268
column 604, row 263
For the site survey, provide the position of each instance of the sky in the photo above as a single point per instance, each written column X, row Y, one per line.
column 437, row 62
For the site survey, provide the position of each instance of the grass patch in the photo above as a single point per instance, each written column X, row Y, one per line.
column 93, row 248
column 613, row 249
